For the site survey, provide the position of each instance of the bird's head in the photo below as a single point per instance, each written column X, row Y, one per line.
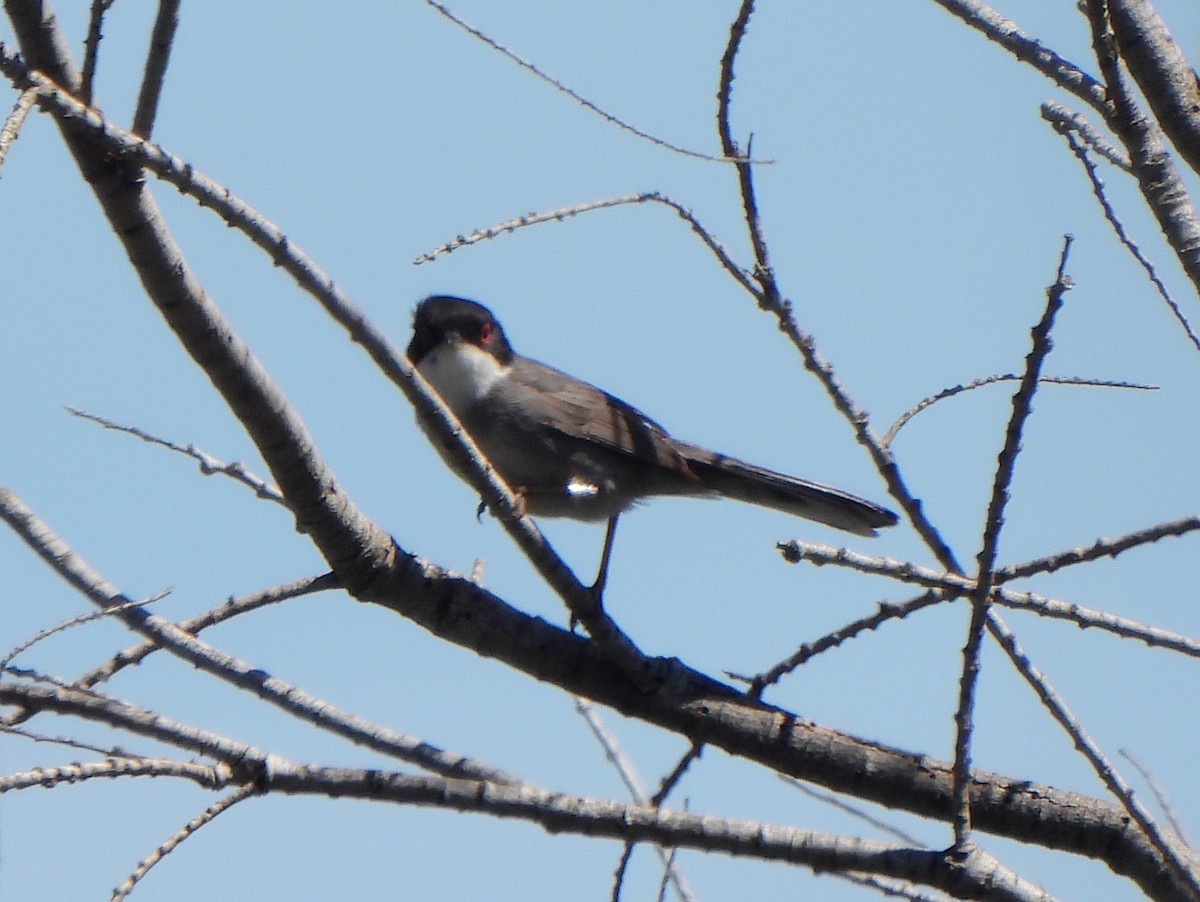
column 442, row 319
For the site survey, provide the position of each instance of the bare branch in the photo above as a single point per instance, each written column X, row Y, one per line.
column 1027, row 49
column 902, row 420
column 65, row 741
column 562, row 213
column 156, row 68
column 209, row 465
column 1022, row 406
column 172, row 842
column 762, row 265
column 1101, row 548
column 231, row 608
column 955, row 585
column 14, row 121
column 1064, row 119
column 853, row 810
column 886, row 611
column 1161, row 70
column 86, row 617
column 1158, row 178
column 1178, row 859
column 612, row 751
column 556, row 811
column 91, row 47
column 769, row 298
column 124, row 715
column 71, row 567
column 559, row 86
column 208, row 776
column 1160, row 796
column 743, row 277
column 671, row 780
column 633, row 784
column 1080, row 151
column 560, row 812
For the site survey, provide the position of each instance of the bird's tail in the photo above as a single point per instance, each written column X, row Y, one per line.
column 741, row 481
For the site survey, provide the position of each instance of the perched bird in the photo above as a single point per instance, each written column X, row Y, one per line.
column 568, row 449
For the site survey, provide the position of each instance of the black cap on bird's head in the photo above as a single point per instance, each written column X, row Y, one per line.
column 443, row 317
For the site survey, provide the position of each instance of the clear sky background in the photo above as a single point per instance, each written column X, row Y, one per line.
column 915, row 211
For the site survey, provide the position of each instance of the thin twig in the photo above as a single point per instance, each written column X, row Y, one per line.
column 953, row 390
column 209, row 465
column 155, row 70
column 612, row 751
column 1177, row 860
column 745, row 171
column 853, row 810
column 743, row 277
column 633, row 784
column 91, row 48
column 1160, row 796
column 231, row 608
column 121, row 714
column 66, row 741
column 1064, row 118
column 78, row 619
column 769, row 298
column 1080, row 151
column 1022, row 406
column 955, row 585
column 559, row 86
column 671, row 780
column 886, row 611
column 14, row 121
column 172, row 842
column 1101, row 548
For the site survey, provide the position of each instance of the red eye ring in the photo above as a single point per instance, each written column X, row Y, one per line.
column 486, row 333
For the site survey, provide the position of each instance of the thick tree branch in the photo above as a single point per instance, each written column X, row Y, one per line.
column 1161, row 70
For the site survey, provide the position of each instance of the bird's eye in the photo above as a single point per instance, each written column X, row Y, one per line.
column 486, row 333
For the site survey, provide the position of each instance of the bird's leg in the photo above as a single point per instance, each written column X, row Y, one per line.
column 597, row 587
column 610, row 533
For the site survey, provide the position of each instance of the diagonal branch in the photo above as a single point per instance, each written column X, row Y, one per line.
column 161, row 40
column 770, row 298
column 1161, row 70
column 167, row 846
column 1022, row 406
column 1007, row 34
column 1181, row 860
column 1079, row 148
column 559, row 86
column 78, row 573
column 1158, row 178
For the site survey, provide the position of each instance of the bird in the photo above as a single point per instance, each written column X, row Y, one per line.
column 569, row 449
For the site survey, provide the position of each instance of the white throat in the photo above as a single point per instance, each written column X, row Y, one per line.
column 462, row 374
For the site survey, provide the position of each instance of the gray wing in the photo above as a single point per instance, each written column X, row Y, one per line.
column 581, row 411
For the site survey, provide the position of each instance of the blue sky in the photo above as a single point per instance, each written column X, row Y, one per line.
column 915, row 210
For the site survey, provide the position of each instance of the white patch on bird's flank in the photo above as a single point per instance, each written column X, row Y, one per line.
column 462, row 373
column 582, row 488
